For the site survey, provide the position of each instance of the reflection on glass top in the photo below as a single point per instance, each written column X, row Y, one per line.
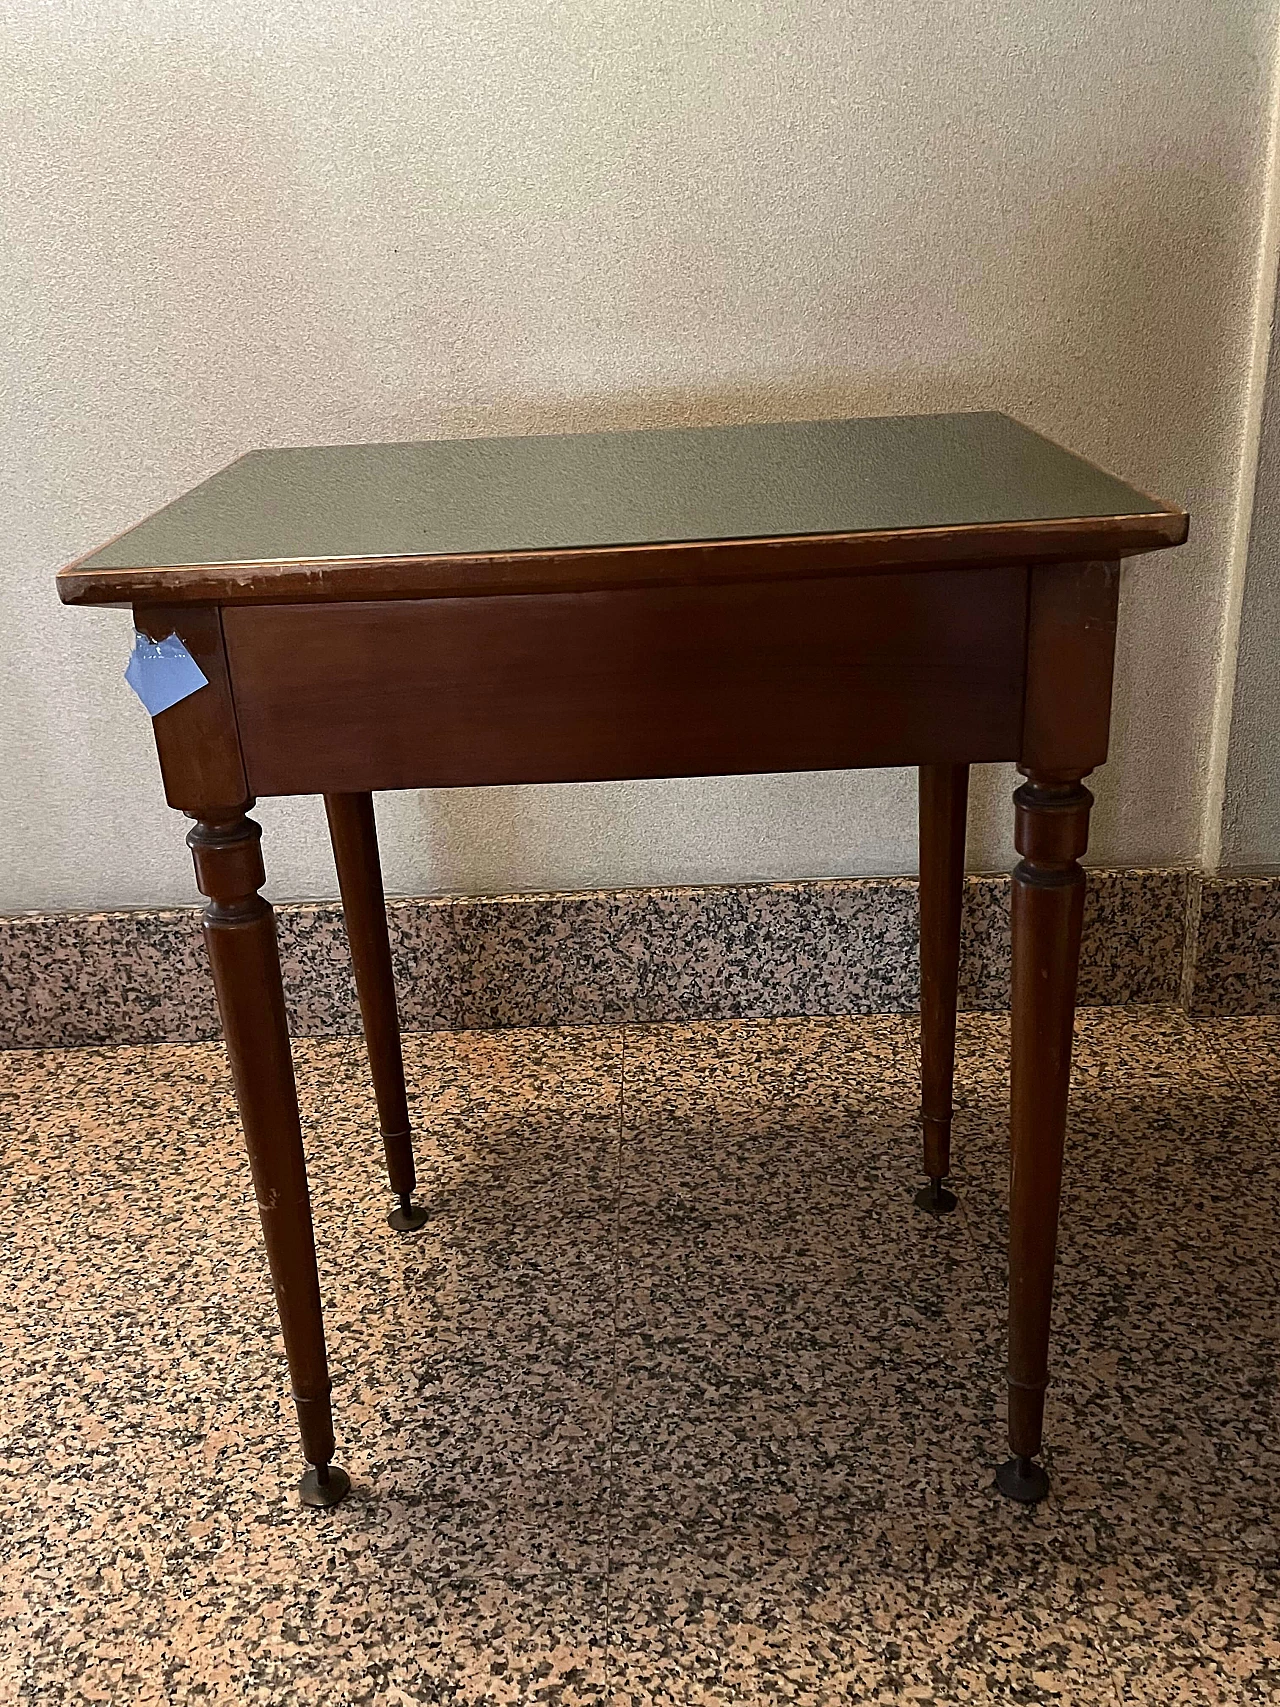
column 482, row 497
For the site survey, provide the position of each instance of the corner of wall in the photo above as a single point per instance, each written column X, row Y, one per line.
column 1264, row 306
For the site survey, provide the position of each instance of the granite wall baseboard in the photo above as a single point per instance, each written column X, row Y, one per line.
column 1233, row 933
column 740, row 951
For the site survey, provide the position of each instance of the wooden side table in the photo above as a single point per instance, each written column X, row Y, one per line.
column 930, row 590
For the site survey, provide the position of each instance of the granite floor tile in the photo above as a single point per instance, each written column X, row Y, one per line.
column 217, row 1597
column 1157, row 1045
column 783, row 1307
column 1185, row 1629
column 758, row 1071
column 155, row 1550
column 1162, row 1418
column 797, row 1404
column 797, row 1186
column 1248, row 1045
column 676, row 1397
column 1163, row 1143
column 863, row 1612
column 958, row 1606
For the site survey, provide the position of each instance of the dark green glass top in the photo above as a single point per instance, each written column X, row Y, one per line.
column 470, row 497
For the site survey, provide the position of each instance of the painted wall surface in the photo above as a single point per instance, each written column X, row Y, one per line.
column 1251, row 806
column 242, row 223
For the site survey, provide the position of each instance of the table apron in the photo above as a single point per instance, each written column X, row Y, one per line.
column 895, row 668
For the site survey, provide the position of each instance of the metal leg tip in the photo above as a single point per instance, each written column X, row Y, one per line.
column 407, row 1216
column 1024, row 1480
column 935, row 1199
column 324, row 1485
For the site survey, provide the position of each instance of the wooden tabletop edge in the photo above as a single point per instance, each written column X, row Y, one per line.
column 545, row 569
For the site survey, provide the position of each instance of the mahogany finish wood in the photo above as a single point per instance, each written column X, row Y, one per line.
column 711, row 564
column 240, row 935
column 582, row 687
column 1051, row 834
column 1071, row 642
column 197, row 739
column 944, row 801
column 354, row 834
column 931, row 591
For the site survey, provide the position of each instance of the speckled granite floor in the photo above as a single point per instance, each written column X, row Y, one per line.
column 677, row 1399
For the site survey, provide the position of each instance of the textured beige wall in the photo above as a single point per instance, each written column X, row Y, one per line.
column 1250, row 826
column 230, row 224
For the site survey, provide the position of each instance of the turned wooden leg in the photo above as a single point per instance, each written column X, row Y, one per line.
column 239, row 931
column 1052, row 831
column 355, row 852
column 944, row 801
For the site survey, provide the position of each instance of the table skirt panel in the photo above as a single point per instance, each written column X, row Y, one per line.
column 889, row 669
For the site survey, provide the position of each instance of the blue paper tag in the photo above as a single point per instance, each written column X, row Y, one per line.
column 161, row 672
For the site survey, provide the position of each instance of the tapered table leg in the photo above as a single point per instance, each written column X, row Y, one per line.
column 944, row 800
column 355, row 851
column 1052, row 831
column 239, row 932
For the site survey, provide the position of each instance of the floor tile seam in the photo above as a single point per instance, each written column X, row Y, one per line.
column 656, row 1118
column 980, row 1249
column 1055, row 1548
column 807, row 1271
column 813, row 1521
column 610, row 1491
column 1259, row 1102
